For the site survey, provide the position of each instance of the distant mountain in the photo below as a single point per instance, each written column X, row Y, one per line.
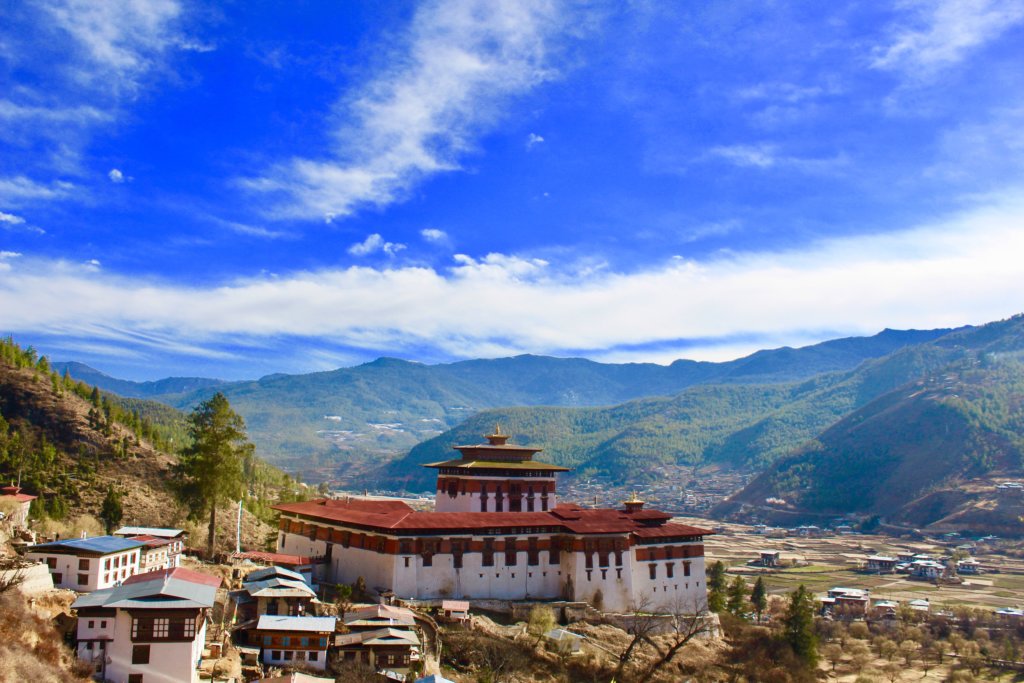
column 930, row 453
column 736, row 425
column 162, row 389
column 381, row 409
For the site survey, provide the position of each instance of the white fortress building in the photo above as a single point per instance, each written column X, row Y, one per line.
column 499, row 532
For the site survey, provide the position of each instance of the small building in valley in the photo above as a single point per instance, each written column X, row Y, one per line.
column 89, row 564
column 881, row 564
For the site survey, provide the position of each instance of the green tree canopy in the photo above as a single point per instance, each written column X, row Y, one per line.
column 737, row 596
column 798, row 626
column 213, row 466
column 716, row 587
column 111, row 512
column 759, row 597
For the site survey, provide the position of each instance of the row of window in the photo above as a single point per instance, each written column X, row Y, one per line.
column 163, row 628
column 670, row 570
column 296, row 655
column 288, row 640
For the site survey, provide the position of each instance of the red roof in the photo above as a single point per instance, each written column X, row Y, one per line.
column 15, row 493
column 152, row 541
column 400, row 517
column 176, row 573
column 274, row 558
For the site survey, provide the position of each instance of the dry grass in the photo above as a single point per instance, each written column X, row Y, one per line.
column 30, row 647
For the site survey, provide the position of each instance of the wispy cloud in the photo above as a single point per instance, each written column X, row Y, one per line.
column 460, row 61
column 10, row 219
column 16, row 190
column 374, row 243
column 934, row 34
column 532, row 140
column 116, row 176
column 965, row 269
column 767, row 155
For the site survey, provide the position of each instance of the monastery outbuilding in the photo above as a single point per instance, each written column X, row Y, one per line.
column 498, row 531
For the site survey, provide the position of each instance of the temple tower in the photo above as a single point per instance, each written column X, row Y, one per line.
column 495, row 477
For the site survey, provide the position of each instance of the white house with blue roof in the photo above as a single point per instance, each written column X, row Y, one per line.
column 89, row 564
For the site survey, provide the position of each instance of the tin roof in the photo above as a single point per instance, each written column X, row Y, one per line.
column 472, row 463
column 273, row 558
column 100, row 545
column 149, row 531
column 171, row 589
column 273, row 622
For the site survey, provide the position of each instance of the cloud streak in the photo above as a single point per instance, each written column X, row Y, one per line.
column 963, row 270
column 461, row 61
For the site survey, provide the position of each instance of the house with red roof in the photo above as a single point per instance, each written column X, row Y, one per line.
column 499, row 532
column 22, row 503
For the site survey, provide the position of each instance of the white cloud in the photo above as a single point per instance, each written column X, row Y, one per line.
column 940, row 33
column 116, row 176
column 121, row 42
column 9, row 254
column 16, row 190
column 434, row 235
column 374, row 243
column 964, row 270
column 11, row 219
column 532, row 140
column 460, row 60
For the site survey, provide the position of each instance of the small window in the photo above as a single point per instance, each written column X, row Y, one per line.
column 276, row 654
column 58, row 577
column 286, row 640
column 288, row 655
column 134, row 678
column 88, row 646
column 140, row 654
column 305, row 642
column 92, row 624
column 686, row 568
column 314, row 656
column 653, row 568
column 51, row 562
column 670, row 570
column 83, row 579
column 103, row 623
column 106, row 564
column 83, row 564
column 267, row 640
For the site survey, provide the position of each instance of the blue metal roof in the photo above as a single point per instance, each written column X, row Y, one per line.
column 100, row 544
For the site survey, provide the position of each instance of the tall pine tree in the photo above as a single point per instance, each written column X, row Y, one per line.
column 111, row 512
column 716, row 587
column 798, row 626
column 213, row 465
column 759, row 597
column 737, row 595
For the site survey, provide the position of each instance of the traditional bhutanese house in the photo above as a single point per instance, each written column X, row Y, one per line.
column 379, row 616
column 499, row 532
column 21, row 502
column 926, row 569
column 389, row 649
column 1011, row 616
column 150, row 628
column 272, row 590
column 969, row 566
column 883, row 609
column 881, row 564
column 769, row 558
column 920, row 605
column 846, row 601
column 457, row 610
column 294, row 641
column 89, row 564
column 157, row 554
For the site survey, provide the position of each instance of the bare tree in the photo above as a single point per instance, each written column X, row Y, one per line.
column 665, row 628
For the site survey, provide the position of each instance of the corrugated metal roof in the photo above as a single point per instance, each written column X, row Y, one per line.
column 272, row 622
column 148, row 531
column 159, row 590
column 102, row 545
column 271, row 572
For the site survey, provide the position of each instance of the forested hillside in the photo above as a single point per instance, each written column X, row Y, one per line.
column 931, row 452
column 68, row 443
column 382, row 409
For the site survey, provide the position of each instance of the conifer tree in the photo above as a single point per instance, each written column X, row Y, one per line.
column 212, row 466
column 798, row 627
column 759, row 597
column 716, row 587
column 111, row 512
column 737, row 596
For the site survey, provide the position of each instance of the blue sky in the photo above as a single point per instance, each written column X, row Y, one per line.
column 243, row 188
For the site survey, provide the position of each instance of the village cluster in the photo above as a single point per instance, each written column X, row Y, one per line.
column 497, row 532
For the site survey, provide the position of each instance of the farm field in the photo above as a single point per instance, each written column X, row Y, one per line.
column 830, row 561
